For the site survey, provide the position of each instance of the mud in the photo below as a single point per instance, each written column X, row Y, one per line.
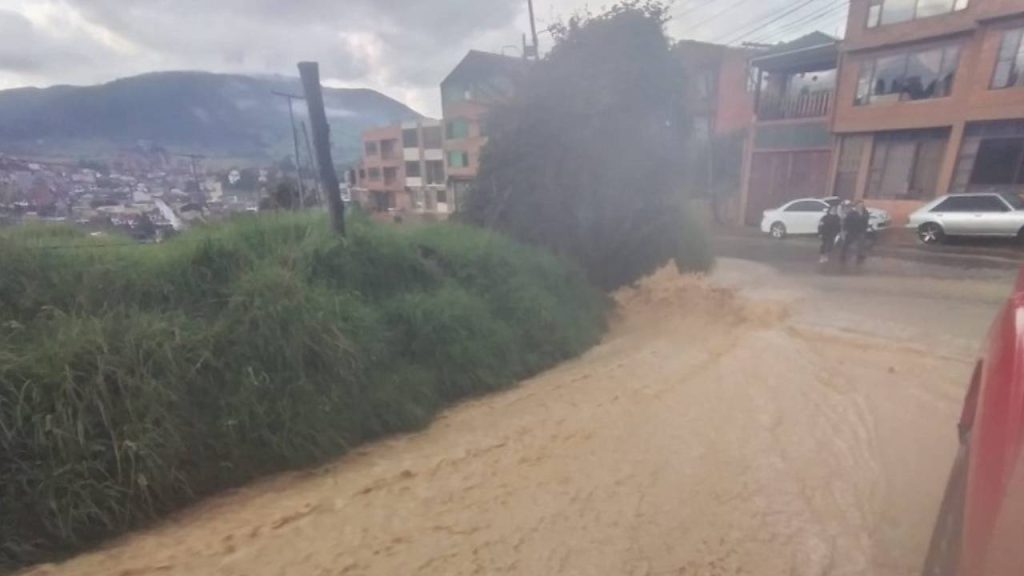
column 712, row 433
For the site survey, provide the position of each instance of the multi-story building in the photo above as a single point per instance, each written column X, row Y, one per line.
column 473, row 87
column 930, row 101
column 403, row 168
column 789, row 147
column 719, row 100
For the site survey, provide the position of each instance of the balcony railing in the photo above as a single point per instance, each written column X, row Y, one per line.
column 805, row 105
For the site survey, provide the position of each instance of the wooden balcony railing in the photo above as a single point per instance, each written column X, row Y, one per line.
column 806, row 105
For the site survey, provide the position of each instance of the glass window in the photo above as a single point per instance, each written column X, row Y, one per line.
column 373, row 173
column 905, row 165
column 915, row 75
column 412, row 169
column 874, row 13
column 894, row 11
column 390, row 175
column 1010, row 65
column 999, row 162
column 410, row 138
column 989, row 204
column 458, row 159
column 807, row 206
column 1013, row 200
column 458, row 128
column 371, row 148
column 435, row 172
column 926, row 8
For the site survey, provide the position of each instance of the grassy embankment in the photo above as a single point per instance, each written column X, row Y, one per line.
column 136, row 379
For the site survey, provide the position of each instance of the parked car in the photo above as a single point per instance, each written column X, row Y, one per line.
column 980, row 526
column 802, row 216
column 981, row 214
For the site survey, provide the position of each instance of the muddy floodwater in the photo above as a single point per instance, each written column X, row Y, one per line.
column 748, row 424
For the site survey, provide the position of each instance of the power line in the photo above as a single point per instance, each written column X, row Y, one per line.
column 805, row 21
column 695, row 7
column 758, row 26
column 719, row 13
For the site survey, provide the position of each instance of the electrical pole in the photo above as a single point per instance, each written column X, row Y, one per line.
column 310, row 74
column 195, row 172
column 533, row 31
column 312, row 162
column 295, row 142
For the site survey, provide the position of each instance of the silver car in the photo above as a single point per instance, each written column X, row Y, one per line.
column 982, row 214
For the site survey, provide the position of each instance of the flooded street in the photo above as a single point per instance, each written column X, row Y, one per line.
column 760, row 422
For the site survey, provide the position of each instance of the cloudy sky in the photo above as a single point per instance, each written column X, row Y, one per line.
column 400, row 47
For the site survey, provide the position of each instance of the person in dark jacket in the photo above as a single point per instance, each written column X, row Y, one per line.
column 855, row 233
column 829, row 228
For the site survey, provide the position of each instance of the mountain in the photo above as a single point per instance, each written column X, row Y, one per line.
column 195, row 112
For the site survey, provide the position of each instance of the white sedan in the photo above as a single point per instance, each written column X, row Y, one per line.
column 802, row 217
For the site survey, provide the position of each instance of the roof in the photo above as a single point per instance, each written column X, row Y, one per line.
column 476, row 64
column 814, row 51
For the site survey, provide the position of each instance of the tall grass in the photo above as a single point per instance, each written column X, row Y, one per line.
column 135, row 379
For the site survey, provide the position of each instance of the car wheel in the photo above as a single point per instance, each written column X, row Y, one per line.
column 777, row 231
column 930, row 233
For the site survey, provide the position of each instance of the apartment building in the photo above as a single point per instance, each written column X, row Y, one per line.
column 788, row 152
column 930, row 100
column 479, row 82
column 403, row 168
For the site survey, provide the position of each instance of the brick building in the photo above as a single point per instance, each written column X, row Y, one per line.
column 480, row 81
column 403, row 168
column 930, row 101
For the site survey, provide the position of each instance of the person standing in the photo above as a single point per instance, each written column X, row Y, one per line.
column 855, row 232
column 829, row 229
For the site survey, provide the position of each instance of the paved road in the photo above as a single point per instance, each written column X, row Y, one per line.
column 751, row 244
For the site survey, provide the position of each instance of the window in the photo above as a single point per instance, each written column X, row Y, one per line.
column 458, row 159
column 905, row 165
column 390, row 175
column 807, row 206
column 458, row 128
column 972, row 204
column 1010, row 66
column 917, row 75
column 1000, row 161
column 389, row 149
column 373, row 174
column 371, row 148
column 362, row 174
column 432, row 137
column 884, row 12
column 410, row 138
column 435, row 172
column 412, row 169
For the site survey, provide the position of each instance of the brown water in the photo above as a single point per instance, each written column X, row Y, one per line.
column 711, row 434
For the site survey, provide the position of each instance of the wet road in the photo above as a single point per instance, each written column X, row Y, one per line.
column 776, row 419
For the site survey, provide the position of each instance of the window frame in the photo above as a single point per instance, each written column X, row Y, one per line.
column 415, row 138
column 1018, row 175
column 952, row 52
column 876, row 12
column 370, row 148
column 885, row 145
column 821, row 206
column 415, row 172
column 1016, row 55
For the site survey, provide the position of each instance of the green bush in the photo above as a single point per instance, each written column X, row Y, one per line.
column 135, row 379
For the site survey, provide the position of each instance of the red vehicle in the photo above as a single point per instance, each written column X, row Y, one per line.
column 980, row 530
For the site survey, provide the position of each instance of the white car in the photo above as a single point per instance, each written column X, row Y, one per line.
column 802, row 217
column 976, row 214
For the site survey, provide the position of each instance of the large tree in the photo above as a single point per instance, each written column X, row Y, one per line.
column 587, row 159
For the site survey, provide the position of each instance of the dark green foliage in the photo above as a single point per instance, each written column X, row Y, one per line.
column 587, row 159
column 134, row 379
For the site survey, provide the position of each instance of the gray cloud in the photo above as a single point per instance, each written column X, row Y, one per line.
column 402, row 47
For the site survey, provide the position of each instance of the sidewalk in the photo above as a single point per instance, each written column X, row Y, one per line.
column 902, row 244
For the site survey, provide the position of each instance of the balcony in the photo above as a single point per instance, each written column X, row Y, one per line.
column 815, row 104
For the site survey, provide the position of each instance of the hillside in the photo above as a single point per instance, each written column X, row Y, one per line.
column 216, row 114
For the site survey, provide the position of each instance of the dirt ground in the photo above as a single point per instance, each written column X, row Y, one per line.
column 756, row 423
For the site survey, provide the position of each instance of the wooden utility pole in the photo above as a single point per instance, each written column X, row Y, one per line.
column 312, row 162
column 295, row 142
column 310, row 74
column 533, row 31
